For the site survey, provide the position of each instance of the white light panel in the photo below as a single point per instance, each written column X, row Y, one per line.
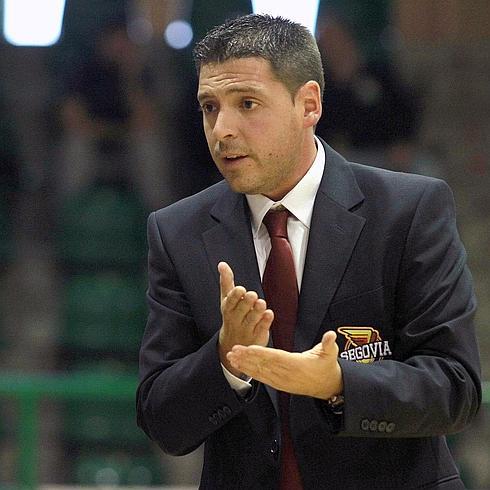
column 304, row 12
column 33, row 22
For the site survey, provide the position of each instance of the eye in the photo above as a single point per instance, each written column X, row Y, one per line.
column 248, row 104
column 208, row 108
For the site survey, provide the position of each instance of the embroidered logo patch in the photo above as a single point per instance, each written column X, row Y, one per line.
column 363, row 344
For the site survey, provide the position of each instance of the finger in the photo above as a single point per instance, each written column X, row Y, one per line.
column 235, row 357
column 245, row 305
column 263, row 326
column 255, row 313
column 262, row 363
column 247, row 361
column 233, row 298
column 226, row 279
column 328, row 342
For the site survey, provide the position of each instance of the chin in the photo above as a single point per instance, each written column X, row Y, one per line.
column 242, row 188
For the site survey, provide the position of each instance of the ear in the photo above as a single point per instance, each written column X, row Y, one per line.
column 311, row 102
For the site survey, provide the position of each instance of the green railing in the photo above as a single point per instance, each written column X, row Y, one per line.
column 29, row 390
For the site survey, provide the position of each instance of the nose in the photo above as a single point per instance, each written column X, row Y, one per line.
column 224, row 125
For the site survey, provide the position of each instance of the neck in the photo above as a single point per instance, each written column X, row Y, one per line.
column 306, row 160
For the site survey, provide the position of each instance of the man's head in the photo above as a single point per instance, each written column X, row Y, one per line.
column 289, row 47
column 260, row 91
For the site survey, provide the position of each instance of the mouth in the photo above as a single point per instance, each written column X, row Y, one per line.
column 231, row 158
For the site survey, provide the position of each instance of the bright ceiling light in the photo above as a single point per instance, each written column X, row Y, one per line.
column 33, row 22
column 304, row 12
column 178, row 34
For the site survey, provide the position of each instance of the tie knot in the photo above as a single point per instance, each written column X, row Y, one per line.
column 276, row 223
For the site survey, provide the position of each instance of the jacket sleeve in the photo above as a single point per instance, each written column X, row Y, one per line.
column 183, row 395
column 432, row 384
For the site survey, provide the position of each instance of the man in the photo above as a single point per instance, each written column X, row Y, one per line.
column 382, row 360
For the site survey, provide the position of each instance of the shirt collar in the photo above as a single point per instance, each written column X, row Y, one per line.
column 298, row 201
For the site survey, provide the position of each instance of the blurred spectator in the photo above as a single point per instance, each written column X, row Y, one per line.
column 368, row 112
column 109, row 122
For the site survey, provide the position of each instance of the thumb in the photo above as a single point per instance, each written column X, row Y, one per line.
column 328, row 343
column 226, row 279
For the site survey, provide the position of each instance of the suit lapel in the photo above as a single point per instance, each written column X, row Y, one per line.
column 334, row 232
column 231, row 240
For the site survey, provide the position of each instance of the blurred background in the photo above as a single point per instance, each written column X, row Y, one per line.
column 99, row 126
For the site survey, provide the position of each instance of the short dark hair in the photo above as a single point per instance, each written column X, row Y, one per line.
column 289, row 47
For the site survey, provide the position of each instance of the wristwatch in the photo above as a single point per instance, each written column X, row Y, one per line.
column 336, row 404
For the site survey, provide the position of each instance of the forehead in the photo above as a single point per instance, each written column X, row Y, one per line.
column 236, row 73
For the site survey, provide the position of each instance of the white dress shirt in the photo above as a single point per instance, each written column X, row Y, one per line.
column 299, row 202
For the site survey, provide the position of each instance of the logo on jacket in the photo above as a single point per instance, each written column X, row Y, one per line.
column 363, row 344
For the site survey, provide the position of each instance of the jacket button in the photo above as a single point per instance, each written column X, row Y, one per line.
column 390, row 427
column 373, row 425
column 382, row 426
column 365, row 424
column 226, row 410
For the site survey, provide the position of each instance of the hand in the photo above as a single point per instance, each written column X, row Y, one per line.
column 246, row 319
column 315, row 372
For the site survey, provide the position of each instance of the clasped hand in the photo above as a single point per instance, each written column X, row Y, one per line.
column 243, row 338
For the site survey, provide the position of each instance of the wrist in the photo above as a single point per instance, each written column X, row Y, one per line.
column 232, row 370
column 226, row 363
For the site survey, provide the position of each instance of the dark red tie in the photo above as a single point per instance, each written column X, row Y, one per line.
column 281, row 293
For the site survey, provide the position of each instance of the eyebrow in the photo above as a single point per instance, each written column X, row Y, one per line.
column 244, row 90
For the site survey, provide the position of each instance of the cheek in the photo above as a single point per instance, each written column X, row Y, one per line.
column 267, row 134
column 208, row 133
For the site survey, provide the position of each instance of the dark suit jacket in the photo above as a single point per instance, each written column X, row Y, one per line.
column 386, row 269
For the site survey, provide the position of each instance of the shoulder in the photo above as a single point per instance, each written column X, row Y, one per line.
column 388, row 186
column 199, row 203
column 398, row 198
column 368, row 174
column 192, row 214
column 350, row 183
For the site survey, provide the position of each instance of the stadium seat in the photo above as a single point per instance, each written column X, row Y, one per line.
column 106, row 423
column 102, row 226
column 104, row 312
